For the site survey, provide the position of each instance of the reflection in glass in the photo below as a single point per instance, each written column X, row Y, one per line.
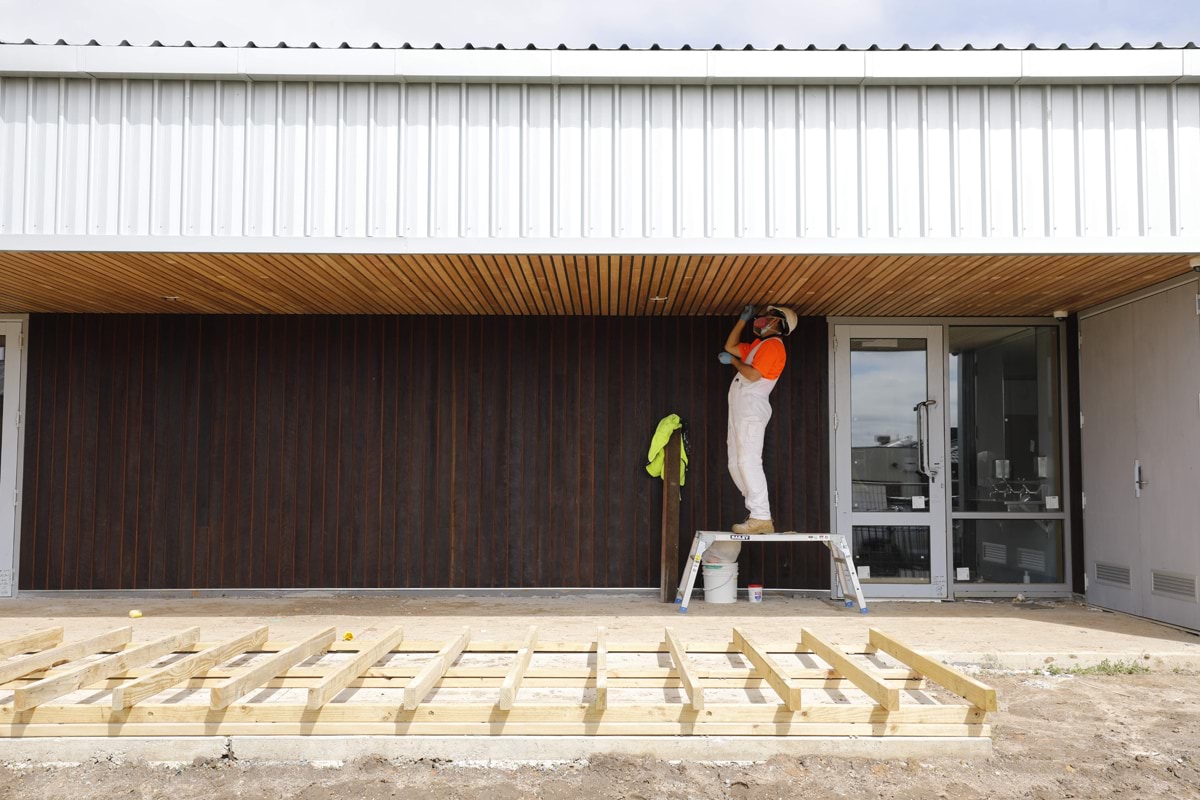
column 3, row 354
column 887, row 378
column 1004, row 454
column 1010, row 550
column 895, row 553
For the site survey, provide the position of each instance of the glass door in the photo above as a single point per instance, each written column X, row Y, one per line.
column 890, row 458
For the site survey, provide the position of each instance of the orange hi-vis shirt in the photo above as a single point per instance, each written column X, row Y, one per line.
column 768, row 359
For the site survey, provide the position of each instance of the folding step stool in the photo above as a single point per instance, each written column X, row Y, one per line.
column 843, row 562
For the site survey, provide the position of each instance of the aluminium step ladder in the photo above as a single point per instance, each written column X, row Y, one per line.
column 843, row 563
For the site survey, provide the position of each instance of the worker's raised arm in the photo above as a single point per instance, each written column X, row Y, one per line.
column 735, row 335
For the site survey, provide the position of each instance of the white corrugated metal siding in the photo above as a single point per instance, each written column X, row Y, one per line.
column 545, row 161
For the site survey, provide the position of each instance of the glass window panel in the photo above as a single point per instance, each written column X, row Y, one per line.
column 3, row 353
column 1009, row 550
column 887, row 378
column 1004, row 420
column 895, row 553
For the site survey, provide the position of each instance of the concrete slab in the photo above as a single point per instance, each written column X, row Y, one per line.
column 334, row 751
column 1000, row 634
column 67, row 751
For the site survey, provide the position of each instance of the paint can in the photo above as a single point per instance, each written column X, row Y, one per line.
column 755, row 591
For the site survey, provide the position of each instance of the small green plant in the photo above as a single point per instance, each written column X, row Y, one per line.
column 1105, row 667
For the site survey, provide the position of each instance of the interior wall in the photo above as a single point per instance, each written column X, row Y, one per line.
column 394, row 452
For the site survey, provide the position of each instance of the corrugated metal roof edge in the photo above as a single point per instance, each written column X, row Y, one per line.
column 1191, row 45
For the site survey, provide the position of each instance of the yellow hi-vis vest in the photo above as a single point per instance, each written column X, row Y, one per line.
column 658, row 448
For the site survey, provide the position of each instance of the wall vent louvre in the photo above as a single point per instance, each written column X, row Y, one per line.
column 994, row 552
column 1114, row 575
column 1028, row 558
column 1173, row 584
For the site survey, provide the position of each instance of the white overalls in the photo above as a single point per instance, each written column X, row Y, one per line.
column 749, row 413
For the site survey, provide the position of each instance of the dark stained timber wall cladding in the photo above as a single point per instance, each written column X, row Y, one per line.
column 376, row 451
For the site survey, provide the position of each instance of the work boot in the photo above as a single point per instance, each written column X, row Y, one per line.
column 752, row 525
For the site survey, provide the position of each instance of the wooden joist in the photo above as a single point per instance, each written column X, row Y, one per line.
column 172, row 674
column 449, row 711
column 233, row 727
column 401, row 703
column 512, row 681
column 235, row 688
column 494, row 676
column 38, row 640
column 687, row 672
column 19, row 667
column 787, row 689
column 49, row 688
column 871, row 684
column 601, row 668
column 343, row 675
column 955, row 680
column 434, row 669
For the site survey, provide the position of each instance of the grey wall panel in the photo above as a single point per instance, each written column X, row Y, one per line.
column 1109, row 437
column 1140, row 396
column 1167, row 375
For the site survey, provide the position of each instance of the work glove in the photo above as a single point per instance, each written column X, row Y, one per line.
column 747, row 314
column 724, row 358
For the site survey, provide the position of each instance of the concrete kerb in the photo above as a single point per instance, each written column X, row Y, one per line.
column 497, row 751
column 1022, row 662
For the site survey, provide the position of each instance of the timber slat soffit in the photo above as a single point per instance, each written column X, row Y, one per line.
column 106, row 685
column 625, row 285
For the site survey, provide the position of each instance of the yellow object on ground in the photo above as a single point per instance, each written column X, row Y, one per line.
column 134, row 614
column 349, row 637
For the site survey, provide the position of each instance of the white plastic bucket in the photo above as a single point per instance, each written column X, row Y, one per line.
column 720, row 583
column 755, row 592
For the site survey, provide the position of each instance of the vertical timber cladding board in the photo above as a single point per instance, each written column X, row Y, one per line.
column 295, row 451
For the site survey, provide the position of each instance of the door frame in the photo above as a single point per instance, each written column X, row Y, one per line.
column 934, row 516
column 953, row 588
column 12, row 451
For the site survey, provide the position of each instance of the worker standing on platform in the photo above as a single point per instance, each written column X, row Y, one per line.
column 759, row 365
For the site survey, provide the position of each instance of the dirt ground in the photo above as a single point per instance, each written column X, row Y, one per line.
column 1056, row 736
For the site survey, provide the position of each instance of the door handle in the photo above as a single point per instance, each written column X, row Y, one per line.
column 924, row 461
column 1139, row 482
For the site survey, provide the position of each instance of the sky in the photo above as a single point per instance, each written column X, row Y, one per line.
column 608, row 23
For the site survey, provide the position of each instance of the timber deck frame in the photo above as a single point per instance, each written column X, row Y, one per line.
column 39, row 673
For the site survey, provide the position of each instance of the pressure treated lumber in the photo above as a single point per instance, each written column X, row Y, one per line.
column 587, row 681
column 601, row 668
column 186, row 668
column 512, row 681
column 38, row 640
column 405, row 707
column 955, row 680
column 687, row 673
column 19, row 667
column 434, row 669
column 237, row 687
column 440, row 711
column 654, row 675
column 511, row 645
column 346, row 673
column 787, row 689
column 49, row 688
column 872, row 685
column 499, row 728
